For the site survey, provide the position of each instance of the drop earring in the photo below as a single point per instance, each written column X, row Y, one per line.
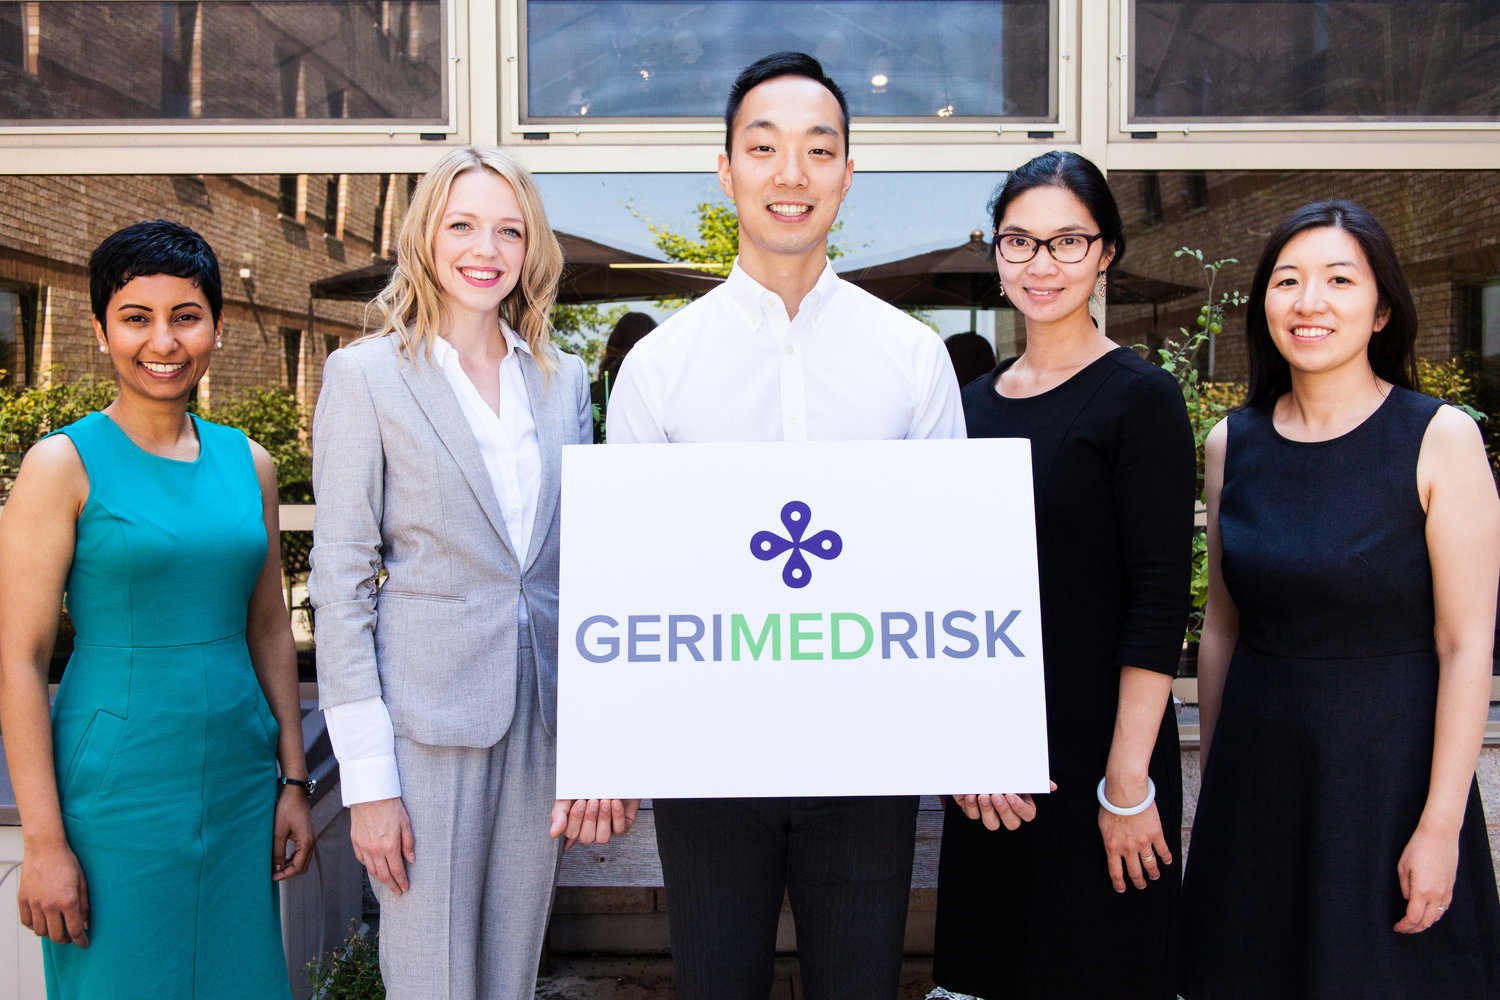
column 1096, row 301
column 218, row 344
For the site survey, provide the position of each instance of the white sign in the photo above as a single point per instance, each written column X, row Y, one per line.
column 832, row 618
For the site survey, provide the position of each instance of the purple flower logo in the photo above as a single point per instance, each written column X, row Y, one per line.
column 767, row 545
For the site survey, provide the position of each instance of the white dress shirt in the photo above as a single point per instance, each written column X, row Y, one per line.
column 361, row 733
column 732, row 367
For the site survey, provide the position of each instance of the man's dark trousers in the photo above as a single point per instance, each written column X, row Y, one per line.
column 844, row 862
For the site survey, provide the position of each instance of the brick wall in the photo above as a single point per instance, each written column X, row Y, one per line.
column 233, row 61
column 49, row 226
column 1445, row 225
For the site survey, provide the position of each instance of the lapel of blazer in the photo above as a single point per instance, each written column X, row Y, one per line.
column 435, row 396
column 546, row 410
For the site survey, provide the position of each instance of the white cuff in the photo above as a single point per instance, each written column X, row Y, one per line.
column 365, row 745
column 369, row 779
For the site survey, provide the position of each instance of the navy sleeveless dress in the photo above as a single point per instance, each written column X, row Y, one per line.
column 164, row 745
column 1321, row 757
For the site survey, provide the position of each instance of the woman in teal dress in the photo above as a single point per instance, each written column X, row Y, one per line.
column 150, row 797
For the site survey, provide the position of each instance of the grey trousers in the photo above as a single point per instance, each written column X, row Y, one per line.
column 471, row 925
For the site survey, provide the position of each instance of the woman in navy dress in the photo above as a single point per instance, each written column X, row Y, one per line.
column 1344, row 675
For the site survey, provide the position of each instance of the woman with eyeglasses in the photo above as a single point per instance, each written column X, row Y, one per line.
column 1075, row 893
column 1344, row 677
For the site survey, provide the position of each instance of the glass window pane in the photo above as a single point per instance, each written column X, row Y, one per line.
column 281, row 61
column 893, row 58
column 1489, row 341
column 10, row 328
column 1401, row 60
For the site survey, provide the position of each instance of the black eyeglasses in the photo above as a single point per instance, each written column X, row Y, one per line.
column 1067, row 248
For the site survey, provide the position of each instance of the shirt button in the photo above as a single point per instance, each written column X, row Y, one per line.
column 795, row 420
column 790, row 349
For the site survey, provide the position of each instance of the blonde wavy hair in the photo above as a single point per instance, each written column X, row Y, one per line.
column 409, row 308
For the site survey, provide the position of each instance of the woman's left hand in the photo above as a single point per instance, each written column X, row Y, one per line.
column 294, row 823
column 1426, row 871
column 1135, row 846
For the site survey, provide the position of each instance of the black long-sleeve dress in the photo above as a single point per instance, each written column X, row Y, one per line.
column 1032, row 912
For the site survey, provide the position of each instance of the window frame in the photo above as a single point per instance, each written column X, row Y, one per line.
column 456, row 86
column 1127, row 125
column 1062, row 123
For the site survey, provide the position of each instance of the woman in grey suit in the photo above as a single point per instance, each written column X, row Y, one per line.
column 437, row 456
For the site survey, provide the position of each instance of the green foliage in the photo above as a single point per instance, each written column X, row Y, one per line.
column 717, row 245
column 1451, row 381
column 718, row 241
column 270, row 416
column 1207, row 403
column 1454, row 381
column 1198, row 585
column 351, row 972
column 584, row 329
column 29, row 414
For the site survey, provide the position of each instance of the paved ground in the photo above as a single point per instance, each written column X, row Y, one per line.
column 612, row 978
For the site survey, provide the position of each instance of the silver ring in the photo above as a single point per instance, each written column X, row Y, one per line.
column 1147, row 857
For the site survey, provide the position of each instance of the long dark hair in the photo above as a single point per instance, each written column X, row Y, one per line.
column 1392, row 350
column 1074, row 174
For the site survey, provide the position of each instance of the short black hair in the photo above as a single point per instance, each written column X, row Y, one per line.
column 773, row 67
column 147, row 248
column 1392, row 350
column 1079, row 177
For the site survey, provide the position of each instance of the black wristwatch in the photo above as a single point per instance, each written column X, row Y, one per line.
column 307, row 786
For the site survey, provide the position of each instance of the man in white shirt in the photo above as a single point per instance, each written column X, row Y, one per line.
column 785, row 350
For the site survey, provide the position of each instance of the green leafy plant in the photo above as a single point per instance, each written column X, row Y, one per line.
column 584, row 329
column 29, row 414
column 351, row 971
column 717, row 245
column 1207, row 403
column 270, row 416
column 1455, row 382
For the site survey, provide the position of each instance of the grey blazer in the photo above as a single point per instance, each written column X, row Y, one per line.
column 400, row 484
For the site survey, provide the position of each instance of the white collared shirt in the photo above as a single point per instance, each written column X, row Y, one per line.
column 732, row 367
column 363, row 739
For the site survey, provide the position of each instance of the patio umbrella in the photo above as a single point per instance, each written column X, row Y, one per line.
column 964, row 277
column 592, row 272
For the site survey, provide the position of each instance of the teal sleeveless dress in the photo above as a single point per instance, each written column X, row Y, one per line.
column 164, row 745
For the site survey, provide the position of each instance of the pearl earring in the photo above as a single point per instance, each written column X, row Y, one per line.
column 218, row 344
column 103, row 349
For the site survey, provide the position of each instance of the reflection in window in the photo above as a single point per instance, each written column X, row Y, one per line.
column 379, row 247
column 893, row 58
column 1151, row 199
column 291, row 346
column 1483, row 316
column 220, row 60
column 1381, row 59
column 10, row 339
column 1195, row 187
column 18, row 318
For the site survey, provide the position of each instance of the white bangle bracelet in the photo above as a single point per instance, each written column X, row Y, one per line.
column 1132, row 810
